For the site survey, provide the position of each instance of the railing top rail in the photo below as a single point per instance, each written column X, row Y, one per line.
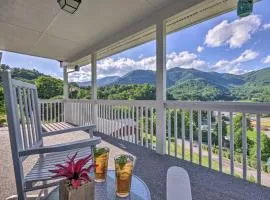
column 150, row 103
column 245, row 107
column 51, row 100
column 224, row 106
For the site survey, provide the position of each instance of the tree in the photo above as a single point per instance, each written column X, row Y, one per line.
column 49, row 87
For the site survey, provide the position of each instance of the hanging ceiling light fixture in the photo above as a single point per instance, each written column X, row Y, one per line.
column 69, row 6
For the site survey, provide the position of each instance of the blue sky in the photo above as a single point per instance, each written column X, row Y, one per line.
column 223, row 44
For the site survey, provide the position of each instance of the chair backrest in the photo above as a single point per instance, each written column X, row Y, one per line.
column 178, row 184
column 23, row 115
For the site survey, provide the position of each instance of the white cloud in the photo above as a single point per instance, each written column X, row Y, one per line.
column 200, row 49
column 234, row 66
column 120, row 66
column 266, row 26
column 247, row 55
column 83, row 75
column 185, row 59
column 235, row 34
column 266, row 60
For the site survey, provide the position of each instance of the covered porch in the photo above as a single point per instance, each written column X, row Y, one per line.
column 155, row 131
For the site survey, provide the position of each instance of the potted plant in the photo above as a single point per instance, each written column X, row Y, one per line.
column 77, row 183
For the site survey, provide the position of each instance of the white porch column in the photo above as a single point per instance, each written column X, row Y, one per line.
column 94, row 88
column 65, row 88
column 65, row 76
column 161, row 86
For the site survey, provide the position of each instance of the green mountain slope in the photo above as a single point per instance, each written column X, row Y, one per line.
column 192, row 84
column 137, row 77
column 260, row 77
column 179, row 75
column 199, row 90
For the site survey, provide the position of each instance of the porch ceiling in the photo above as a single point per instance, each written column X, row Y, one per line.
column 41, row 28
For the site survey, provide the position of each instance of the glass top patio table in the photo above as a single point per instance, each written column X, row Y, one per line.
column 106, row 190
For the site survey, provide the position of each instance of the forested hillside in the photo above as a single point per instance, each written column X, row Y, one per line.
column 192, row 84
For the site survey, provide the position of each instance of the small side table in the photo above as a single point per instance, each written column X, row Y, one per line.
column 106, row 190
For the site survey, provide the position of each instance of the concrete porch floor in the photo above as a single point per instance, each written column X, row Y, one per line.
column 150, row 167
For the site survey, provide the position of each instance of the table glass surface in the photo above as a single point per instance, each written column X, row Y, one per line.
column 106, row 190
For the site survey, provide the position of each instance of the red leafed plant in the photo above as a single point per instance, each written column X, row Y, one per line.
column 75, row 172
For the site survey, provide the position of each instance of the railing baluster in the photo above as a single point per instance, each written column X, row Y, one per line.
column 43, row 112
column 231, row 143
column 102, row 118
column 191, row 134
column 63, row 111
column 58, row 104
column 118, row 121
column 175, row 133
column 152, row 126
column 146, row 127
column 244, row 145
column 122, row 123
column 125, row 124
column 209, row 139
column 114, row 120
column 51, row 113
column 137, row 124
column 105, row 119
column 169, row 132
column 133, row 124
column 220, row 140
column 128, row 123
column 142, row 108
column 200, row 135
column 47, row 112
column 183, row 133
column 110, row 119
column 89, row 113
column 258, row 131
column 55, row 112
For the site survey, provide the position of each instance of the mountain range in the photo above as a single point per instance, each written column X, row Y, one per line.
column 192, row 84
column 176, row 76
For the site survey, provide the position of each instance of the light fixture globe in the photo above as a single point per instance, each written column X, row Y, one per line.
column 77, row 68
column 69, row 6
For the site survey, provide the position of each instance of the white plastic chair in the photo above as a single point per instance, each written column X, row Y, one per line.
column 178, row 184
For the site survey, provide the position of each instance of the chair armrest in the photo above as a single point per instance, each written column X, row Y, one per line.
column 68, row 130
column 61, row 147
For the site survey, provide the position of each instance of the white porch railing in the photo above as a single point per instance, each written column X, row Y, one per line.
column 52, row 111
column 189, row 128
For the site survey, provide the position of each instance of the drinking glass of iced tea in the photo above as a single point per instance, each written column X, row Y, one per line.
column 101, row 156
column 123, row 173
